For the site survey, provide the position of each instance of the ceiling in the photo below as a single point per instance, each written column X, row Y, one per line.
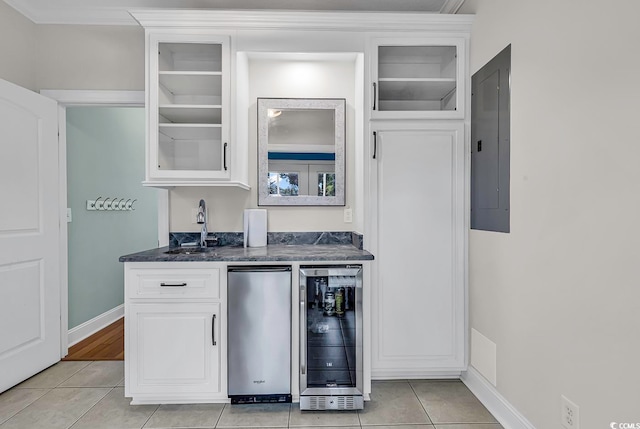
column 115, row 12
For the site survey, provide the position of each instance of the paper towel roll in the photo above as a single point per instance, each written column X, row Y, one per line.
column 255, row 228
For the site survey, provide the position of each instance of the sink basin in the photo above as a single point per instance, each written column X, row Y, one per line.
column 187, row 251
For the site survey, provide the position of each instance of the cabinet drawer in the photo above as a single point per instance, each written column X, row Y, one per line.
column 173, row 283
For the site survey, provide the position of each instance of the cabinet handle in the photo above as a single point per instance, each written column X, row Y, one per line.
column 163, row 284
column 225, row 157
column 375, row 144
column 375, row 95
column 213, row 330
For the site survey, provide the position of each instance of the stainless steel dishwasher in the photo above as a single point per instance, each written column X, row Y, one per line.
column 259, row 338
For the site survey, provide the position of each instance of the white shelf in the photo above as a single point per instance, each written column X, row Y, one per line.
column 188, row 83
column 190, row 113
column 170, row 183
column 415, row 89
column 191, row 131
column 190, row 56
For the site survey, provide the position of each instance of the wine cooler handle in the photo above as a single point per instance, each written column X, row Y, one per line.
column 213, row 330
column 303, row 332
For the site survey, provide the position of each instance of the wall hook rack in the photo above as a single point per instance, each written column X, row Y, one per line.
column 111, row 204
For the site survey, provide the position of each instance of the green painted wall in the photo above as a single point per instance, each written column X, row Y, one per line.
column 105, row 157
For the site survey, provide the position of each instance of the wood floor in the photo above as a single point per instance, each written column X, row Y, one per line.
column 106, row 344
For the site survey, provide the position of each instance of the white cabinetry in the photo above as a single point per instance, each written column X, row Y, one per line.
column 188, row 108
column 418, row 300
column 174, row 322
column 418, row 78
column 418, row 196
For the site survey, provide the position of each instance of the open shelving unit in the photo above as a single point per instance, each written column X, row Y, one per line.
column 416, row 78
column 190, row 110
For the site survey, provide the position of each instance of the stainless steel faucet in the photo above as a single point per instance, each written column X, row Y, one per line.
column 202, row 219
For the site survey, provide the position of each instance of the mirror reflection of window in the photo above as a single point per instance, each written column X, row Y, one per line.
column 283, row 184
column 326, row 185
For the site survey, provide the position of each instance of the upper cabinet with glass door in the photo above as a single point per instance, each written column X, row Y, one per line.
column 189, row 90
column 418, row 78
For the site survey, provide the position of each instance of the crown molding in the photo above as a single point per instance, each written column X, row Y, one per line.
column 88, row 14
column 73, row 15
column 290, row 20
column 95, row 97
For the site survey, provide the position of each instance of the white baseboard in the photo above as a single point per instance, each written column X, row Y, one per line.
column 502, row 410
column 92, row 326
column 413, row 374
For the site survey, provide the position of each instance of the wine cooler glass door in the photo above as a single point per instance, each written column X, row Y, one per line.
column 331, row 337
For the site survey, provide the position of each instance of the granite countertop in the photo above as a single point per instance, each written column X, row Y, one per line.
column 272, row 252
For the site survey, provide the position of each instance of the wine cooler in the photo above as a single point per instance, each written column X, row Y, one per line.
column 331, row 337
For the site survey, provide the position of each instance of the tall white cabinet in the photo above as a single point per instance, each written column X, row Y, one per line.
column 418, row 200
column 419, row 213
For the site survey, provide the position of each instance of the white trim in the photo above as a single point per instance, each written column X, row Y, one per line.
column 508, row 416
column 163, row 217
column 95, row 97
column 169, row 183
column 100, row 15
column 63, row 246
column 305, row 20
column 413, row 374
column 72, row 15
column 92, row 326
column 67, row 98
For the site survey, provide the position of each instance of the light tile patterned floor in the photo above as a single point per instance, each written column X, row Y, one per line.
column 89, row 395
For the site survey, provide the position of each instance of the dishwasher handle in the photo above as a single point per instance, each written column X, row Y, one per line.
column 259, row 269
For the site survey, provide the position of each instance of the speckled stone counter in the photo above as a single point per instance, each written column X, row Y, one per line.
column 272, row 252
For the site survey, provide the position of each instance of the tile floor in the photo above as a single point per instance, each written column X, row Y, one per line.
column 90, row 395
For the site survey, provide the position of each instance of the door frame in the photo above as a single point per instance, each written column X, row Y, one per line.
column 101, row 98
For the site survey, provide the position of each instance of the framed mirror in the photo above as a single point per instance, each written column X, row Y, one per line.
column 301, row 151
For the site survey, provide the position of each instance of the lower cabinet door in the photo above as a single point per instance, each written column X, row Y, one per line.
column 173, row 348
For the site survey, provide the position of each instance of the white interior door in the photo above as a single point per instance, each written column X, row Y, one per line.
column 29, row 236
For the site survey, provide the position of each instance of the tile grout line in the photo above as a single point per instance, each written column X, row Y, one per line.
column 91, row 407
column 421, row 404
column 17, row 412
column 150, row 415
column 220, row 416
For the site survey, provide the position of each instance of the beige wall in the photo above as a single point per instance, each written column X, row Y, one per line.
column 90, row 57
column 281, row 78
column 560, row 294
column 70, row 56
column 17, row 48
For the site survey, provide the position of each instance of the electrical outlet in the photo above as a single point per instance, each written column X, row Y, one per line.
column 570, row 414
column 348, row 215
